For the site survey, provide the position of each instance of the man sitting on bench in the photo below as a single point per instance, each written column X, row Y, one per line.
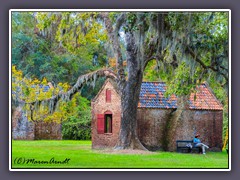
column 197, row 143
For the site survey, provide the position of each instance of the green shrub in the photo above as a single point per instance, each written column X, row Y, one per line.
column 77, row 129
column 78, row 126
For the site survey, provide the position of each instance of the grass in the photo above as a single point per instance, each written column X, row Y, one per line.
column 82, row 156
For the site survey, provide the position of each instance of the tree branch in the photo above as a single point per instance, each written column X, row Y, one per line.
column 82, row 80
column 157, row 58
column 191, row 52
column 119, row 22
column 113, row 35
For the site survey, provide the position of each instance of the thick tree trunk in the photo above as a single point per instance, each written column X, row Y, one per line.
column 128, row 136
column 175, row 123
column 129, row 88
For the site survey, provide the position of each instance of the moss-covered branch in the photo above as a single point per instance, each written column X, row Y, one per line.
column 89, row 78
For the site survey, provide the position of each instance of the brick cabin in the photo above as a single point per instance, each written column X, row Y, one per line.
column 158, row 127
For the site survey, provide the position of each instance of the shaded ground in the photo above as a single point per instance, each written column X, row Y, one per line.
column 124, row 151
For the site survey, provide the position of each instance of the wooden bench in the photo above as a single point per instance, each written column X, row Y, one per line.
column 182, row 147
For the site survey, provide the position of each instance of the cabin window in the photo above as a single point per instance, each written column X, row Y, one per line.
column 108, row 95
column 108, row 123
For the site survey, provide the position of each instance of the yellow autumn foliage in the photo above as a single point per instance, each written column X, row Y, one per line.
column 30, row 90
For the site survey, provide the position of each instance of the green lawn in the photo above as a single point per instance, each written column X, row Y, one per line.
column 82, row 156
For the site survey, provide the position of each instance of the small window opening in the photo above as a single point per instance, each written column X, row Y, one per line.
column 108, row 123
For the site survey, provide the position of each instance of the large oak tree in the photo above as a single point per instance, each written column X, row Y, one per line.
column 189, row 48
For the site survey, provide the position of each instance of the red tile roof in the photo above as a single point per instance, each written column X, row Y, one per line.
column 152, row 96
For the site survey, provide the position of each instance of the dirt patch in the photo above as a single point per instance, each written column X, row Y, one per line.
column 124, row 151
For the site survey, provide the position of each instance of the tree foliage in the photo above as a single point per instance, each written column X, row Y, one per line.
column 63, row 44
column 41, row 49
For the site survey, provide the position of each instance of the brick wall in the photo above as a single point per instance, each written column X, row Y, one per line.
column 152, row 127
column 48, row 130
column 99, row 106
column 22, row 129
column 156, row 132
column 209, row 125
